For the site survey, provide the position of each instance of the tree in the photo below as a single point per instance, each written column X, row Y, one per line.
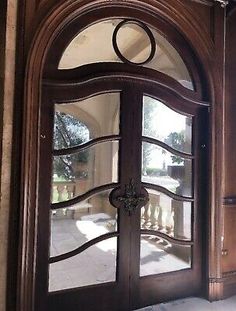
column 176, row 140
column 69, row 132
column 148, row 111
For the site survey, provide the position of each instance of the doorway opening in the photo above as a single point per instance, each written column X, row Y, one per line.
column 121, row 191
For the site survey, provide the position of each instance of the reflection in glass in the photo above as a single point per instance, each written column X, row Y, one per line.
column 168, row 61
column 78, row 173
column 73, row 226
column 94, row 44
column 166, row 215
column 162, row 168
column 159, row 256
column 78, row 122
column 164, row 124
column 95, row 265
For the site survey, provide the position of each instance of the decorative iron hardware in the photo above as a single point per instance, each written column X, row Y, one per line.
column 225, row 252
column 223, row 3
column 148, row 33
column 131, row 200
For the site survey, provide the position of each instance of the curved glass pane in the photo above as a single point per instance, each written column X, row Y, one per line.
column 95, row 265
column 79, row 122
column 162, row 168
column 166, row 215
column 168, row 61
column 78, row 173
column 73, row 226
column 159, row 256
column 94, row 44
column 164, row 124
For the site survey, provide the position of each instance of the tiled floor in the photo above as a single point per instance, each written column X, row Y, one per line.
column 195, row 304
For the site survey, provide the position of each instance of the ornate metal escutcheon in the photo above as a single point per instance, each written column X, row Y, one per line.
column 130, row 200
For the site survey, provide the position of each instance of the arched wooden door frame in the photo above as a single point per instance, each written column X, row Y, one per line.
column 48, row 31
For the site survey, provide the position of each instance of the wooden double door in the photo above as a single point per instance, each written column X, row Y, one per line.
column 120, row 223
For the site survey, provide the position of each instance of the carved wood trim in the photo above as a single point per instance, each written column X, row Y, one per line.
column 223, row 3
column 222, row 287
column 229, row 284
column 229, row 275
column 204, row 2
column 215, row 290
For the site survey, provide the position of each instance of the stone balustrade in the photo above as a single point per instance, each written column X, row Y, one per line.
column 161, row 213
column 158, row 214
column 63, row 190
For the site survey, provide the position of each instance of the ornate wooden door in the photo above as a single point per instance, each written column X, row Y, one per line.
column 121, row 171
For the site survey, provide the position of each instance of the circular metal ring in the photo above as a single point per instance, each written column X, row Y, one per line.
column 147, row 31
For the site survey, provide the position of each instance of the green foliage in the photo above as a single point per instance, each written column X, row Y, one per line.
column 69, row 132
column 148, row 111
column 176, row 140
column 153, row 171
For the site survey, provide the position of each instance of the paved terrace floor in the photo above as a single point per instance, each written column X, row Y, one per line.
column 195, row 304
column 97, row 264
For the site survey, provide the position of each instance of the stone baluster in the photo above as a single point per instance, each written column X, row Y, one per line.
column 154, row 210
column 160, row 224
column 167, row 216
column 145, row 216
column 178, row 218
column 70, row 191
column 169, row 220
column 60, row 189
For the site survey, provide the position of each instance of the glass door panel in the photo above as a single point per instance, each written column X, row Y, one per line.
column 95, row 265
column 78, row 224
column 167, row 173
column 136, row 42
column 78, row 122
column 166, row 125
column 161, row 256
column 165, row 169
column 167, row 215
column 84, row 170
column 84, row 233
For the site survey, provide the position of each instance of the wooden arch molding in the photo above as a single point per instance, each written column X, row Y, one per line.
column 50, row 28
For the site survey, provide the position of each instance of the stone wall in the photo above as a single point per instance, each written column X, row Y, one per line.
column 8, row 10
